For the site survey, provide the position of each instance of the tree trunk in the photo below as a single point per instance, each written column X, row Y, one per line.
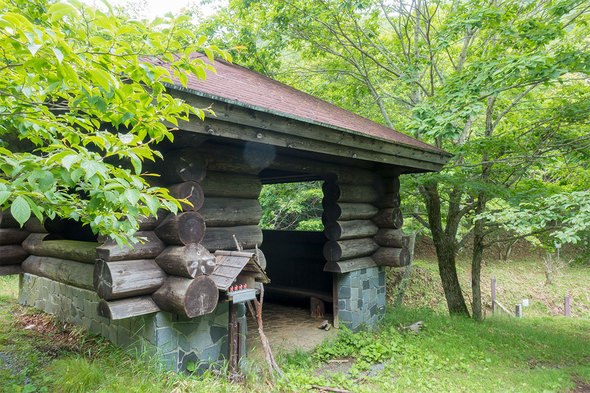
column 445, row 251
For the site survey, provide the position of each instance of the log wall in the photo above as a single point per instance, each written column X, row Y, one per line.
column 12, row 254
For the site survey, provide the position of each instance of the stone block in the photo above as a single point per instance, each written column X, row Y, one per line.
column 217, row 333
column 169, row 361
column 166, row 339
column 186, row 328
column 344, row 292
column 345, row 316
column 163, row 319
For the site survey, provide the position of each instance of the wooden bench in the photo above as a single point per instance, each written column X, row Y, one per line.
column 317, row 299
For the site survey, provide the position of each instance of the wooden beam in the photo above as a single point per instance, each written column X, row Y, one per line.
column 65, row 271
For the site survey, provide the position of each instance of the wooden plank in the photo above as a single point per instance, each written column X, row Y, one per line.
column 259, row 120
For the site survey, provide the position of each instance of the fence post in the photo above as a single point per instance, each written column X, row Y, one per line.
column 567, row 307
column 493, row 295
column 518, row 311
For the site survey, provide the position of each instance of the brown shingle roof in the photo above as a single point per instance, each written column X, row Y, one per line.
column 239, row 85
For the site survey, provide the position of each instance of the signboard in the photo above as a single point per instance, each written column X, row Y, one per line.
column 242, row 295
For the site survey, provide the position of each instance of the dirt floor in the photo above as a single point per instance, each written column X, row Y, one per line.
column 287, row 329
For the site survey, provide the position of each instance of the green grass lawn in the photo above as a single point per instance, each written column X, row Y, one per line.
column 450, row 354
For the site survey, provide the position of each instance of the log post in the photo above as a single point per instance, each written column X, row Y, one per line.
column 182, row 229
column 186, row 261
column 188, row 297
column 116, row 280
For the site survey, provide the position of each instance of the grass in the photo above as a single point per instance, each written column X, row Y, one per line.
column 523, row 278
column 540, row 353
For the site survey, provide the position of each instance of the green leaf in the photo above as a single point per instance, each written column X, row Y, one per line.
column 69, row 160
column 58, row 55
column 4, row 196
column 20, row 210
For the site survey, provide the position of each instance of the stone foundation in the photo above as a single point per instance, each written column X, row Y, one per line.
column 361, row 298
column 177, row 341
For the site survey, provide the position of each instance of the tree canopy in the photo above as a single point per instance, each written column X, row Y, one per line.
column 81, row 107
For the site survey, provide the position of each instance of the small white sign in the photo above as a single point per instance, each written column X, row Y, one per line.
column 557, row 245
column 525, row 302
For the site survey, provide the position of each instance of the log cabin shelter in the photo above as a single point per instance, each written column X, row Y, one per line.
column 163, row 295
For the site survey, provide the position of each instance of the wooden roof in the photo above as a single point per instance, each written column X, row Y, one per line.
column 239, row 87
column 231, row 263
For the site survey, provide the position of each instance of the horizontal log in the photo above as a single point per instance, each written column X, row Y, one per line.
column 10, row 270
column 249, row 236
column 181, row 165
column 351, row 193
column 65, row 271
column 389, row 200
column 191, row 192
column 33, row 225
column 181, row 229
column 116, row 280
column 65, row 249
column 342, row 230
column 228, row 158
column 348, row 249
column 149, row 223
column 389, row 218
column 7, row 221
column 12, row 255
column 187, row 297
column 349, row 265
column 151, row 247
column 12, row 236
column 232, row 185
column 186, row 261
column 389, row 256
column 392, row 238
column 127, row 308
column 228, row 212
column 347, row 211
column 391, row 185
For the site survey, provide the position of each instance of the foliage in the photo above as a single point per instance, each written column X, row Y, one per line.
column 292, row 206
column 81, row 107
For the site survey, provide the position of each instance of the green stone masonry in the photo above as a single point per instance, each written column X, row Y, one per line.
column 178, row 342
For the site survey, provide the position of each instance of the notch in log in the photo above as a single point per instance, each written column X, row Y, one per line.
column 389, row 218
column 187, row 297
column 12, row 255
column 348, row 249
column 127, row 308
column 191, row 192
column 116, row 280
column 186, row 261
column 394, row 257
column 392, row 238
column 342, row 230
column 182, row 229
column 151, row 247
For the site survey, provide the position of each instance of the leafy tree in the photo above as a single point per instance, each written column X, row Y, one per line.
column 292, row 206
column 502, row 84
column 81, row 107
